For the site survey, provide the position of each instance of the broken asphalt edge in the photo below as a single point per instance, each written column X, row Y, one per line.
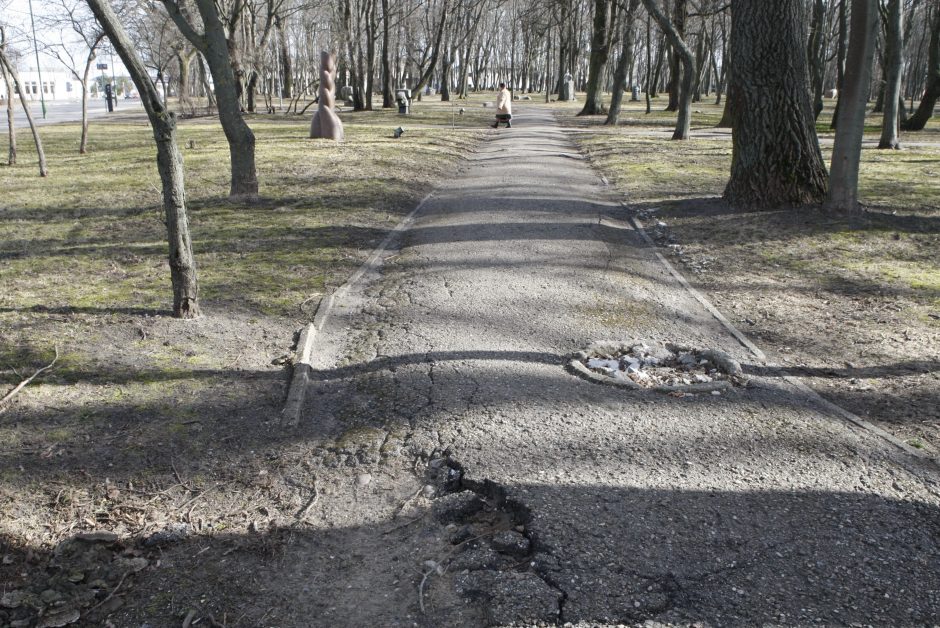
column 832, row 408
column 290, row 414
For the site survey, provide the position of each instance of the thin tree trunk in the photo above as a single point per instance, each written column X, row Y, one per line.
column 840, row 60
column 169, row 165
column 387, row 98
column 11, row 127
column 649, row 58
column 775, row 159
column 816, row 54
column 683, row 122
column 847, row 147
column 43, row 170
column 600, row 51
column 83, row 142
column 185, row 62
column 214, row 46
column 727, row 113
column 626, row 59
column 287, row 65
column 894, row 62
column 932, row 91
column 435, row 51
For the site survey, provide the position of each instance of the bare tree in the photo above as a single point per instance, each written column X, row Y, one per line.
column 604, row 18
column 73, row 15
column 847, row 148
column 893, row 18
column 624, row 62
column 683, row 122
column 932, row 88
column 213, row 43
column 11, row 127
column 10, row 70
column 169, row 165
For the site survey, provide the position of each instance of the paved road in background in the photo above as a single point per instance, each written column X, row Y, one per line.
column 67, row 111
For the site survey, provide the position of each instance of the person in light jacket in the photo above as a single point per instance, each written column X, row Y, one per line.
column 503, row 107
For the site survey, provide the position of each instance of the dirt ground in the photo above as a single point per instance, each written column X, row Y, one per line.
column 149, row 432
column 861, row 342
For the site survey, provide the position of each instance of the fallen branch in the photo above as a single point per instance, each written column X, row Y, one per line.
column 302, row 513
column 26, row 381
column 113, row 591
column 406, row 524
column 180, row 479
column 190, row 616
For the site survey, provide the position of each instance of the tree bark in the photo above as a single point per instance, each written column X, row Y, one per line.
column 169, row 165
column 683, row 122
column 847, row 147
column 626, row 59
column 775, row 159
column 932, row 91
column 894, row 62
column 11, row 70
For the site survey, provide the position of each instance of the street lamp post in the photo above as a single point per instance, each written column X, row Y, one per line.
column 42, row 98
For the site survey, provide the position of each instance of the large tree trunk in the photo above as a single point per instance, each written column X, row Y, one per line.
column 847, row 147
column 684, row 120
column 169, row 165
column 11, row 126
column 775, row 152
column 214, row 47
column 626, row 59
column 11, row 70
column 932, row 92
column 894, row 62
column 600, row 51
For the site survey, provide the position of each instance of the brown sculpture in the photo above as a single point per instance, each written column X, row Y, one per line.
column 326, row 123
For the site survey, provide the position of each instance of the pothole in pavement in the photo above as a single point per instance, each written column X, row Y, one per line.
column 496, row 562
column 663, row 367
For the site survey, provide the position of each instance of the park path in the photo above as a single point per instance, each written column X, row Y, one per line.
column 751, row 507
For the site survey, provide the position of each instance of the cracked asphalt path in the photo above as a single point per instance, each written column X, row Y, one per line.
column 753, row 507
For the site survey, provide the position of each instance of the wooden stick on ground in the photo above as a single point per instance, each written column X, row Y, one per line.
column 26, row 381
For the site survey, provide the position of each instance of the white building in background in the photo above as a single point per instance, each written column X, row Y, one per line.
column 55, row 84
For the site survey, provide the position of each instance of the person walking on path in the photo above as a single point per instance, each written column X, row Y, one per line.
column 503, row 107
